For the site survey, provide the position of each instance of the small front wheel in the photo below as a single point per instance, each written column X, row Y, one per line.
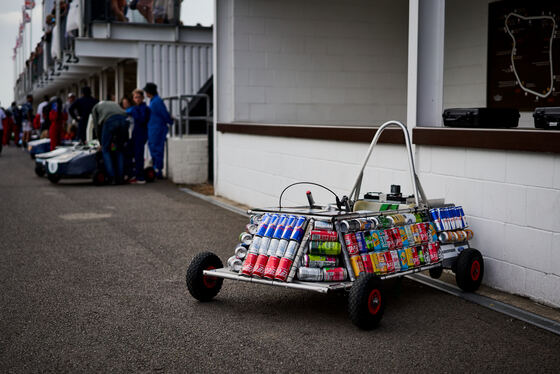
column 470, row 270
column 366, row 302
column 203, row 287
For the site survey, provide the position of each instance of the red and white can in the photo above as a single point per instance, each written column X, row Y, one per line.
column 260, row 265
column 283, row 269
column 271, row 266
column 389, row 261
column 368, row 265
column 415, row 257
column 423, row 229
column 389, row 237
column 396, row 237
column 249, row 264
column 334, row 274
column 324, row 236
column 396, row 262
column 351, row 244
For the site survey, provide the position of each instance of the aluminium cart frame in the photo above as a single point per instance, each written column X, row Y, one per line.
column 365, row 304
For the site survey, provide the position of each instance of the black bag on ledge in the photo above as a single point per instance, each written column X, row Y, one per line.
column 489, row 118
column 547, row 118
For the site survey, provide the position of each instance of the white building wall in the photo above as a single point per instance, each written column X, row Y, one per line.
column 254, row 169
column 513, row 203
column 327, row 62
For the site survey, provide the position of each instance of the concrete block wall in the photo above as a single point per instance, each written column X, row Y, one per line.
column 512, row 200
column 188, row 159
column 254, row 169
column 327, row 62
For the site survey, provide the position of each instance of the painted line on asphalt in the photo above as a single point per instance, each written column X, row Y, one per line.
column 216, row 202
column 495, row 305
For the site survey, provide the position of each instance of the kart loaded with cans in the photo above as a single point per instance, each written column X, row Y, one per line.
column 351, row 246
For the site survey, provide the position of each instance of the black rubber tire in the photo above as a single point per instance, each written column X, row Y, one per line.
column 99, row 178
column 435, row 273
column 54, row 178
column 470, row 270
column 363, row 312
column 40, row 170
column 201, row 287
column 149, row 174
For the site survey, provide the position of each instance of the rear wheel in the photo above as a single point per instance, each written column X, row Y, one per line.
column 203, row 287
column 54, row 178
column 470, row 270
column 40, row 170
column 366, row 302
column 149, row 174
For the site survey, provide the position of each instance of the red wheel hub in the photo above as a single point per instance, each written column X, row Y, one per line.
column 374, row 301
column 100, row 178
column 209, row 282
column 475, row 270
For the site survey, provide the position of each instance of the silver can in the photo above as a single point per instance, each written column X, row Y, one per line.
column 246, row 238
column 234, row 264
column 252, row 228
column 291, row 251
column 241, row 252
column 310, row 274
column 323, row 225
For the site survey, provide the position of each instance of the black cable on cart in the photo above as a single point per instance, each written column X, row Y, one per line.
column 339, row 202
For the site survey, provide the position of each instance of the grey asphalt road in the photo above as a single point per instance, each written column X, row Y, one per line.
column 92, row 280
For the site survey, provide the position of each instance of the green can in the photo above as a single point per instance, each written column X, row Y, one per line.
column 324, row 248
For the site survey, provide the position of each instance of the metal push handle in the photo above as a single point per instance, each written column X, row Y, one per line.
column 354, row 194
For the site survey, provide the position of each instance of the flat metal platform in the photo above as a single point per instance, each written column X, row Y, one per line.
column 321, row 287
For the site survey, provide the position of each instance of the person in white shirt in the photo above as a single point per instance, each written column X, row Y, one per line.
column 40, row 108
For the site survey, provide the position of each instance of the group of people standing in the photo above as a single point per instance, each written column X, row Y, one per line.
column 123, row 154
column 16, row 120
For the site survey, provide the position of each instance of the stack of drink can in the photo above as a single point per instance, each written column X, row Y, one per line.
column 269, row 246
column 390, row 244
column 322, row 262
column 451, row 224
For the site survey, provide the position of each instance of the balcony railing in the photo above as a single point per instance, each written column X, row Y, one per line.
column 44, row 64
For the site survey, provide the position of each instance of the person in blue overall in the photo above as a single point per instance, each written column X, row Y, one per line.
column 141, row 115
column 157, row 127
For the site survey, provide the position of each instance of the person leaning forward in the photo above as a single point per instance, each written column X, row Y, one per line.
column 111, row 127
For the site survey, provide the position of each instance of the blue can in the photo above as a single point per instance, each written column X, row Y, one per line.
column 272, row 226
column 289, row 228
column 263, row 225
column 463, row 218
column 435, row 216
column 280, row 227
column 299, row 227
column 446, row 221
column 362, row 246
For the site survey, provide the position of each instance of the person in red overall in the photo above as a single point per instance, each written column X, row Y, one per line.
column 9, row 126
column 58, row 118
